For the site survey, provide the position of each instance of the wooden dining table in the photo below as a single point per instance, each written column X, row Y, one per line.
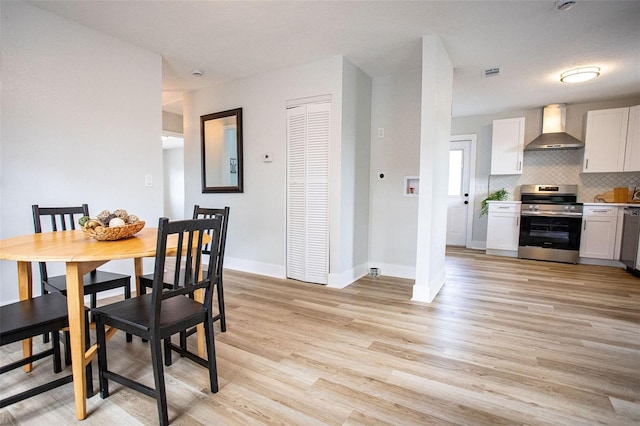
column 81, row 254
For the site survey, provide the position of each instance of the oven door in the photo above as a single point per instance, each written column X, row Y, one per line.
column 549, row 236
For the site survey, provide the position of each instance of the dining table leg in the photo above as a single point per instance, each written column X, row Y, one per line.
column 202, row 347
column 25, row 292
column 198, row 296
column 75, row 307
column 138, row 269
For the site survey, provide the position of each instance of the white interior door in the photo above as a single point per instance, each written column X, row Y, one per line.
column 308, row 193
column 459, row 196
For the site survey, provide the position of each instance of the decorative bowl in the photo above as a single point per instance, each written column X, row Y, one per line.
column 105, row 233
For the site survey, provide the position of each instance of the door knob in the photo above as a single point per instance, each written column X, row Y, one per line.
column 466, row 202
column 466, row 195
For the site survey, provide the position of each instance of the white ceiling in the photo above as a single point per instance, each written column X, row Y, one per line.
column 532, row 41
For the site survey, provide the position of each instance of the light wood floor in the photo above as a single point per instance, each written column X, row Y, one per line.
column 506, row 341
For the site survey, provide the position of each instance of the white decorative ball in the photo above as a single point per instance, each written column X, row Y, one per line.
column 116, row 222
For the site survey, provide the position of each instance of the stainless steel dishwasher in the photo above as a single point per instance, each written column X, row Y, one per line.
column 630, row 236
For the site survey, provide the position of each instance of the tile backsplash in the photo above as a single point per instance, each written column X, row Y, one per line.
column 562, row 167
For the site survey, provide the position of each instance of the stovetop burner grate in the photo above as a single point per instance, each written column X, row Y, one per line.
column 549, row 194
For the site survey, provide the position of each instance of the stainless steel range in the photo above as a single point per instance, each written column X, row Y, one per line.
column 550, row 223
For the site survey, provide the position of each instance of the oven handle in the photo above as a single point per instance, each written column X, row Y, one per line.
column 551, row 214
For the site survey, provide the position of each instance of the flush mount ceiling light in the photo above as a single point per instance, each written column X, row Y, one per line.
column 578, row 75
column 197, row 73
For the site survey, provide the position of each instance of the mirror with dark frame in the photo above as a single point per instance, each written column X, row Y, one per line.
column 221, row 136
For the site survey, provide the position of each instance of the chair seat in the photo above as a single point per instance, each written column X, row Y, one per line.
column 28, row 318
column 31, row 317
column 94, row 282
column 134, row 315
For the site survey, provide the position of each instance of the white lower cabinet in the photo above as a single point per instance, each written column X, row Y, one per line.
column 599, row 232
column 503, row 226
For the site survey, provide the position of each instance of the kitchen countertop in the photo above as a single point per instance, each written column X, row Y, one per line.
column 613, row 204
column 637, row 205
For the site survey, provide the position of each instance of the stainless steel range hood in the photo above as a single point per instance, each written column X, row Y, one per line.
column 553, row 135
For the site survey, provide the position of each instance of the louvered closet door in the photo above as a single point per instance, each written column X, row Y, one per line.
column 308, row 193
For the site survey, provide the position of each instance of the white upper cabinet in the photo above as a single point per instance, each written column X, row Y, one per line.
column 612, row 140
column 632, row 150
column 507, row 145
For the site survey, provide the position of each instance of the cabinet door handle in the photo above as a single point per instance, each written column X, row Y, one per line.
column 586, row 164
column 519, row 165
column 517, row 220
column 584, row 226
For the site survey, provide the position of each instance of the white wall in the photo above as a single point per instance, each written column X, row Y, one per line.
column 172, row 122
column 173, row 169
column 256, row 234
column 435, row 136
column 351, row 261
column 394, row 217
column 173, row 179
column 81, row 123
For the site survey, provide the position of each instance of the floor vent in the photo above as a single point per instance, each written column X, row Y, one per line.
column 491, row 72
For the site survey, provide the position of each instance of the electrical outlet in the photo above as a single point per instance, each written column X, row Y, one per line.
column 381, row 132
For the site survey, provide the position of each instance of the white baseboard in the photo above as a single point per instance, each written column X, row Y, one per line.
column 336, row 280
column 346, row 278
column 601, row 262
column 397, row 271
column 259, row 268
column 426, row 293
column 507, row 253
column 478, row 245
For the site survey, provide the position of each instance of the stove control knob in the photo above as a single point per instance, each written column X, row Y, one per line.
column 536, row 207
column 565, row 208
column 530, row 207
column 572, row 208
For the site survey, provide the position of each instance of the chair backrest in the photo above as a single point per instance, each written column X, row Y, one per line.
column 203, row 213
column 190, row 236
column 60, row 219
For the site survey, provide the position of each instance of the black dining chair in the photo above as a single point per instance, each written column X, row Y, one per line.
column 96, row 281
column 167, row 310
column 34, row 317
column 204, row 213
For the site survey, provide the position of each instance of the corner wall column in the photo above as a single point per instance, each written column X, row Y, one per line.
column 435, row 132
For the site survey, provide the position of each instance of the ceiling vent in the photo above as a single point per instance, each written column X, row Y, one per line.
column 491, row 72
